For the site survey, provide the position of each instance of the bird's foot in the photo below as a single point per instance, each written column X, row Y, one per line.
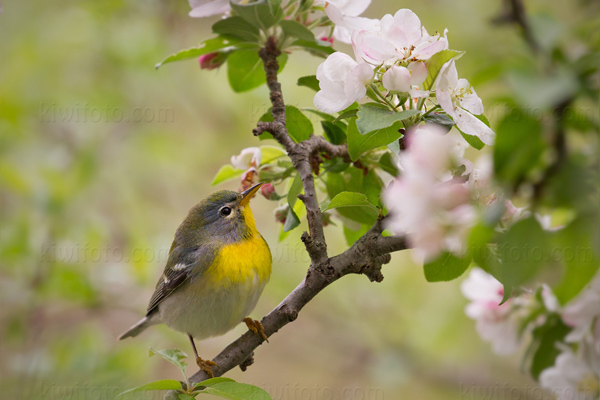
column 206, row 366
column 256, row 327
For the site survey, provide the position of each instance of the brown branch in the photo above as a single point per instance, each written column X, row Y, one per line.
column 366, row 256
column 514, row 12
column 300, row 153
column 560, row 150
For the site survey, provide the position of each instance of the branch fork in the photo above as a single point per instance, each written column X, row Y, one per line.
column 366, row 256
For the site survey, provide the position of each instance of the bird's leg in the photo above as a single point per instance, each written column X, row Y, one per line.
column 204, row 365
column 256, row 327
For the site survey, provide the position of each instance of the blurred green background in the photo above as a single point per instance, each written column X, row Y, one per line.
column 101, row 157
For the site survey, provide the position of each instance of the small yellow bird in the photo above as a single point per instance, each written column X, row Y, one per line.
column 217, row 269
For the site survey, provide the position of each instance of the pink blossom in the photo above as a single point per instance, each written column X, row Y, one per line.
column 207, row 8
column 396, row 38
column 495, row 323
column 433, row 211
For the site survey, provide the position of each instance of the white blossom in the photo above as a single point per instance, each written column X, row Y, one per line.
column 574, row 376
column 583, row 313
column 345, row 15
column 404, row 79
column 460, row 101
column 342, row 82
column 249, row 158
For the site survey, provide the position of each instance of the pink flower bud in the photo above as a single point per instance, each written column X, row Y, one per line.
column 327, row 39
column 281, row 213
column 211, row 60
column 267, row 190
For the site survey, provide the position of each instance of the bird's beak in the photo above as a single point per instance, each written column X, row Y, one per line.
column 249, row 193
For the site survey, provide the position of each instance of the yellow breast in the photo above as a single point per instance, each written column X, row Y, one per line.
column 239, row 263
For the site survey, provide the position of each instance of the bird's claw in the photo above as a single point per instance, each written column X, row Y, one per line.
column 256, row 327
column 206, row 366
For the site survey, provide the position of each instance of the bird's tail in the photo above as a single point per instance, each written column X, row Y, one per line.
column 138, row 328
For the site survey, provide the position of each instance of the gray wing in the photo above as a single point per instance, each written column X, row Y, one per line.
column 183, row 265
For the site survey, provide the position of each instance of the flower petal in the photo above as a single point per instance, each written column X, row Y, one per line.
column 201, row 9
column 418, row 73
column 397, row 78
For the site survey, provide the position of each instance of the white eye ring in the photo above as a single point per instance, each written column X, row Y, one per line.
column 225, row 211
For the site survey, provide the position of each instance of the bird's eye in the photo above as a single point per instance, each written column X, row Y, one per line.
column 225, row 211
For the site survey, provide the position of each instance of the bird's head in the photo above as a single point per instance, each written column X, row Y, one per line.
column 223, row 215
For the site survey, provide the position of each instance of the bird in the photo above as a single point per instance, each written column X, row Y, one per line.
column 217, row 268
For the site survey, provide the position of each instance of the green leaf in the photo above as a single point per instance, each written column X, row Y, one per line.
column 237, row 391
column 295, row 189
column 388, row 164
column 372, row 117
column 358, row 143
column 260, row 14
column 545, row 338
column 211, row 382
column 165, row 384
column 435, row 64
column 336, row 164
column 335, row 134
column 174, row 356
column 245, row 70
column 352, row 235
column 354, row 180
column 291, row 220
column 474, row 141
column 271, row 153
column 324, row 116
column 318, row 48
column 524, row 250
column 238, row 28
column 480, row 238
column 440, row 119
column 309, row 81
column 576, row 251
column 347, row 115
column 349, row 199
column 519, row 146
column 206, row 47
column 271, row 173
column 296, row 29
column 185, row 396
column 446, row 267
column 299, row 126
column 225, row 173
